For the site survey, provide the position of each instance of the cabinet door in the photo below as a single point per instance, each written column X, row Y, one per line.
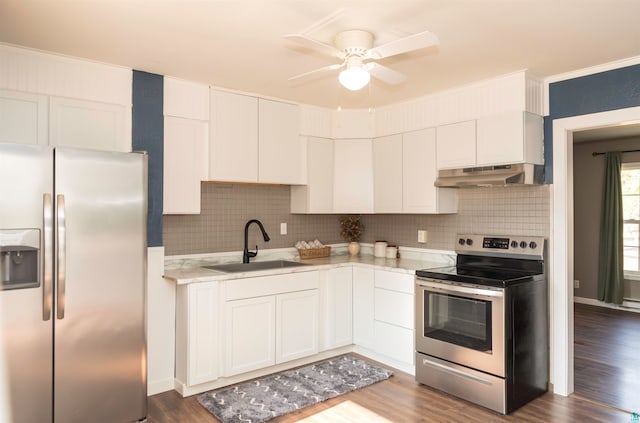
column 185, row 164
column 88, row 124
column 363, row 312
column 317, row 195
column 278, row 142
column 203, row 335
column 387, row 174
column 233, row 139
column 297, row 321
column 23, row 118
column 456, row 145
column 353, row 176
column 512, row 137
column 338, row 308
column 419, row 171
column 249, row 334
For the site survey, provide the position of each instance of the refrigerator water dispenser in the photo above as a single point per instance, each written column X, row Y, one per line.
column 19, row 258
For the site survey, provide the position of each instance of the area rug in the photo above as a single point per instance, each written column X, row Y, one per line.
column 272, row 396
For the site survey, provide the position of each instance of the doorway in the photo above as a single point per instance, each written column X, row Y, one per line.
column 605, row 364
column 561, row 272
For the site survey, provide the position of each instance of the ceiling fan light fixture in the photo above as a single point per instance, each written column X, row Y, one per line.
column 354, row 78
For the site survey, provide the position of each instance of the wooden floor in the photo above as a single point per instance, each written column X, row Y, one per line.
column 400, row 399
column 607, row 356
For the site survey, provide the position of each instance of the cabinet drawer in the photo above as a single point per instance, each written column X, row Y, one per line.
column 394, row 342
column 400, row 282
column 269, row 285
column 393, row 307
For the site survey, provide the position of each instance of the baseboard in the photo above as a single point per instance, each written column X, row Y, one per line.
column 627, row 305
column 159, row 386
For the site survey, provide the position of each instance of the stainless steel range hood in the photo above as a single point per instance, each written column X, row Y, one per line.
column 514, row 174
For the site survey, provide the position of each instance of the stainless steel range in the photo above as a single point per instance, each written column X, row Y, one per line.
column 482, row 325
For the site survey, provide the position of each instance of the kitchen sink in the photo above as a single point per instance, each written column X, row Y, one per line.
column 258, row 265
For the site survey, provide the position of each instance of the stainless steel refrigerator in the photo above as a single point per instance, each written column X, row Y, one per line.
column 72, row 279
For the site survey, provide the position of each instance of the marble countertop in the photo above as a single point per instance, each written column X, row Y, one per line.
column 190, row 271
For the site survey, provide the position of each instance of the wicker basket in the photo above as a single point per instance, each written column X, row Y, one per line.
column 308, row 253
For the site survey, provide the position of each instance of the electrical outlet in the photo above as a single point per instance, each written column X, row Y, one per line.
column 422, row 236
column 283, row 229
column 576, row 283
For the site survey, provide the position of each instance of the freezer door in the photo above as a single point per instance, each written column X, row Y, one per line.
column 100, row 352
column 26, row 345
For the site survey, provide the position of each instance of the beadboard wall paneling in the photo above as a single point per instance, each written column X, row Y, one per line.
column 519, row 210
column 42, row 73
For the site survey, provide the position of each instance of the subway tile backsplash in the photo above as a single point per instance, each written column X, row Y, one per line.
column 225, row 208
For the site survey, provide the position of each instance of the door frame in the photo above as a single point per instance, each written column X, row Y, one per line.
column 561, row 243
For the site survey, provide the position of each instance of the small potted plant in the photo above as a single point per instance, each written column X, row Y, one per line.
column 351, row 231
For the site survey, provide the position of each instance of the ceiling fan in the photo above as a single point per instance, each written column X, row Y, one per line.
column 358, row 55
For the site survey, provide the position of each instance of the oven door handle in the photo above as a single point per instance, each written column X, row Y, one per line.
column 426, row 362
column 433, row 285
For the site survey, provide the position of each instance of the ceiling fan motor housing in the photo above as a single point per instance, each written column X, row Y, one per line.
column 354, row 42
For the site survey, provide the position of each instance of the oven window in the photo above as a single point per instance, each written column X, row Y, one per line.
column 458, row 320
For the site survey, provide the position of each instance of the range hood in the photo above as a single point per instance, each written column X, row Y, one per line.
column 513, row 174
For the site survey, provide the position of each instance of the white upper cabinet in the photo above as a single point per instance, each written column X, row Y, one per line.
column 233, row 142
column 89, row 124
column 23, row 118
column 317, row 195
column 387, row 174
column 353, row 176
column 89, row 104
column 456, row 145
column 185, row 164
column 186, row 136
column 278, row 142
column 253, row 140
column 419, row 175
column 513, row 137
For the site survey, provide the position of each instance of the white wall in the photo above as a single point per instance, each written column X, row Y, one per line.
column 161, row 322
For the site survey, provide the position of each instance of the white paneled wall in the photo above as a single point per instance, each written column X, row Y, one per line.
column 42, row 73
column 517, row 91
column 316, row 121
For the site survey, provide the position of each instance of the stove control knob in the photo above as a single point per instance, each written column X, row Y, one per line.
column 469, row 242
column 461, row 241
column 532, row 245
column 523, row 244
column 514, row 244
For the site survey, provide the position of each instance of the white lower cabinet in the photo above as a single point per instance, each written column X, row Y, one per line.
column 394, row 316
column 297, row 319
column 337, row 307
column 197, row 333
column 269, row 320
column 249, row 334
column 363, row 311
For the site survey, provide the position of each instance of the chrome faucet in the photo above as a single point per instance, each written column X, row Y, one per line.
column 248, row 254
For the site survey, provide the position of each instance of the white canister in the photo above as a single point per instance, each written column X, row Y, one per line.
column 380, row 249
column 392, row 251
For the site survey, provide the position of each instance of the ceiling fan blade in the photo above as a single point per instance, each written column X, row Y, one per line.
column 384, row 73
column 315, row 45
column 319, row 70
column 412, row 42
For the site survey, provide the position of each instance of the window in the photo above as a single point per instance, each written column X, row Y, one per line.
column 631, row 212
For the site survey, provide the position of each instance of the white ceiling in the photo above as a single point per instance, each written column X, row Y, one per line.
column 238, row 44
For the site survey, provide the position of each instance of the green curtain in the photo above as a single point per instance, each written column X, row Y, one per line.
column 610, row 269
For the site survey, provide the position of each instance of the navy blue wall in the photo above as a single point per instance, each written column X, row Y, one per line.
column 600, row 92
column 148, row 135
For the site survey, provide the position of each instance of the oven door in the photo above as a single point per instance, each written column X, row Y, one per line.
column 461, row 323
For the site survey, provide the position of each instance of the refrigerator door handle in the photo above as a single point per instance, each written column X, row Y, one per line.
column 61, row 252
column 47, row 264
